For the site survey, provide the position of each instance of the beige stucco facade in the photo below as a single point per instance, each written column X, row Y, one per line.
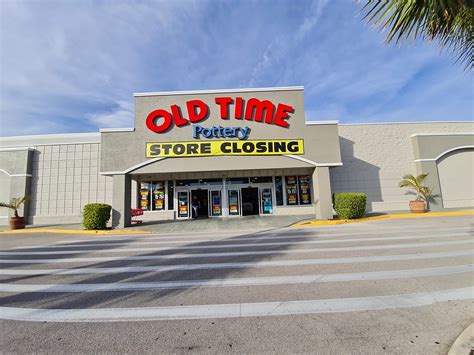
column 64, row 172
column 376, row 156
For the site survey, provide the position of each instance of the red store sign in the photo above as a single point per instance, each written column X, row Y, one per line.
column 253, row 109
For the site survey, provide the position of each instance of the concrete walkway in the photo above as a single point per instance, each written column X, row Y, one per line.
column 198, row 225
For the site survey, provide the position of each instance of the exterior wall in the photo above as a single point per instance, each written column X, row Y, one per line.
column 376, row 156
column 64, row 176
column 15, row 178
column 124, row 151
column 455, row 172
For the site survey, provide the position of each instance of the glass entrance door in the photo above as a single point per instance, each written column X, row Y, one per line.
column 183, row 204
column 234, row 202
column 215, row 204
column 266, row 203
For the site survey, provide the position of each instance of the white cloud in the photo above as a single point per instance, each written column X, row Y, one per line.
column 72, row 66
column 120, row 117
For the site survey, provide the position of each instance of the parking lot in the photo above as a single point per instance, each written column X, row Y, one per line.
column 394, row 286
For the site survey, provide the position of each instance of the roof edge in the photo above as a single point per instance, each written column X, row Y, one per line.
column 217, row 91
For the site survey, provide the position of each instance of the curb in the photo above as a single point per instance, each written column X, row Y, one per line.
column 377, row 218
column 464, row 343
column 72, row 231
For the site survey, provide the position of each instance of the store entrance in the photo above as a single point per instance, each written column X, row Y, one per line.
column 250, row 201
column 199, row 203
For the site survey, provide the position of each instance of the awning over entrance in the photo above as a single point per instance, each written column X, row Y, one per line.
column 171, row 165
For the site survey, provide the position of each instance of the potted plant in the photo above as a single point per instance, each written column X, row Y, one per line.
column 16, row 222
column 415, row 187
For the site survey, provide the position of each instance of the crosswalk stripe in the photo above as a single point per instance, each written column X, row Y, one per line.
column 232, row 282
column 238, row 309
column 322, row 234
column 230, row 242
column 222, row 254
column 234, row 265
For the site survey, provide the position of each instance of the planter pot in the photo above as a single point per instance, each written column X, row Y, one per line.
column 17, row 222
column 417, row 206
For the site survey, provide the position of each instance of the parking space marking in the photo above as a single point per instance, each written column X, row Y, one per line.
column 260, row 309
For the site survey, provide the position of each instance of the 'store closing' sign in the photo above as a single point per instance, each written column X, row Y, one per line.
column 231, row 147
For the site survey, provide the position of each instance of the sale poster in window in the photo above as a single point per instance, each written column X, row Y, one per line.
column 158, row 196
column 292, row 190
column 144, row 196
column 216, row 205
column 305, row 191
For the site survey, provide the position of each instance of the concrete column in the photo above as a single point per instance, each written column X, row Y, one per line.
column 322, row 193
column 121, row 201
column 432, row 181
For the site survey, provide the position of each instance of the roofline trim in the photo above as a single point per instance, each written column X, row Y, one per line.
column 311, row 123
column 217, row 91
column 389, row 123
column 8, row 149
column 444, row 153
column 110, row 130
column 443, row 134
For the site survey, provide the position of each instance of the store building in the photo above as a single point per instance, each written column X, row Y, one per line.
column 232, row 153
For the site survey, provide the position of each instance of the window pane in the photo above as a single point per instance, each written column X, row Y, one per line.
column 198, row 182
column 170, row 195
column 305, row 189
column 233, row 181
column 186, row 182
column 279, row 190
column 261, row 179
column 144, row 196
column 291, row 191
column 158, row 195
column 234, row 203
column 216, row 203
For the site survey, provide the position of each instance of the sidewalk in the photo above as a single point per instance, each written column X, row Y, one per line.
column 379, row 216
column 227, row 224
column 198, row 225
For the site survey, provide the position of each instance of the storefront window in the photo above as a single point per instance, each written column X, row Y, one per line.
column 279, row 190
column 235, row 181
column 186, row 182
column 216, row 203
column 234, row 203
column 198, row 182
column 170, row 195
column 158, row 195
column 305, row 189
column 298, row 190
column 291, row 191
column 261, row 179
column 151, row 195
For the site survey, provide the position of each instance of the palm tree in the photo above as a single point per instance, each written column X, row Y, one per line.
column 450, row 22
column 15, row 204
column 416, row 187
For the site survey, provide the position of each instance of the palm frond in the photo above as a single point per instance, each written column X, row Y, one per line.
column 7, row 205
column 449, row 22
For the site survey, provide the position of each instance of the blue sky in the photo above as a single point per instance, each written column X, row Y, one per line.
column 73, row 65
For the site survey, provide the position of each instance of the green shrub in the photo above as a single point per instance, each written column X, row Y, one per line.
column 350, row 205
column 96, row 215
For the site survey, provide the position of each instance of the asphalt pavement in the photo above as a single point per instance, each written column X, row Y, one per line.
column 391, row 286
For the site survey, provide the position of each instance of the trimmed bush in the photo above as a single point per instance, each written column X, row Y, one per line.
column 349, row 205
column 96, row 215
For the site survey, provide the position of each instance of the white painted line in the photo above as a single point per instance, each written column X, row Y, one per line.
column 235, row 310
column 234, row 265
column 295, row 233
column 233, row 282
column 229, row 242
column 223, row 254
